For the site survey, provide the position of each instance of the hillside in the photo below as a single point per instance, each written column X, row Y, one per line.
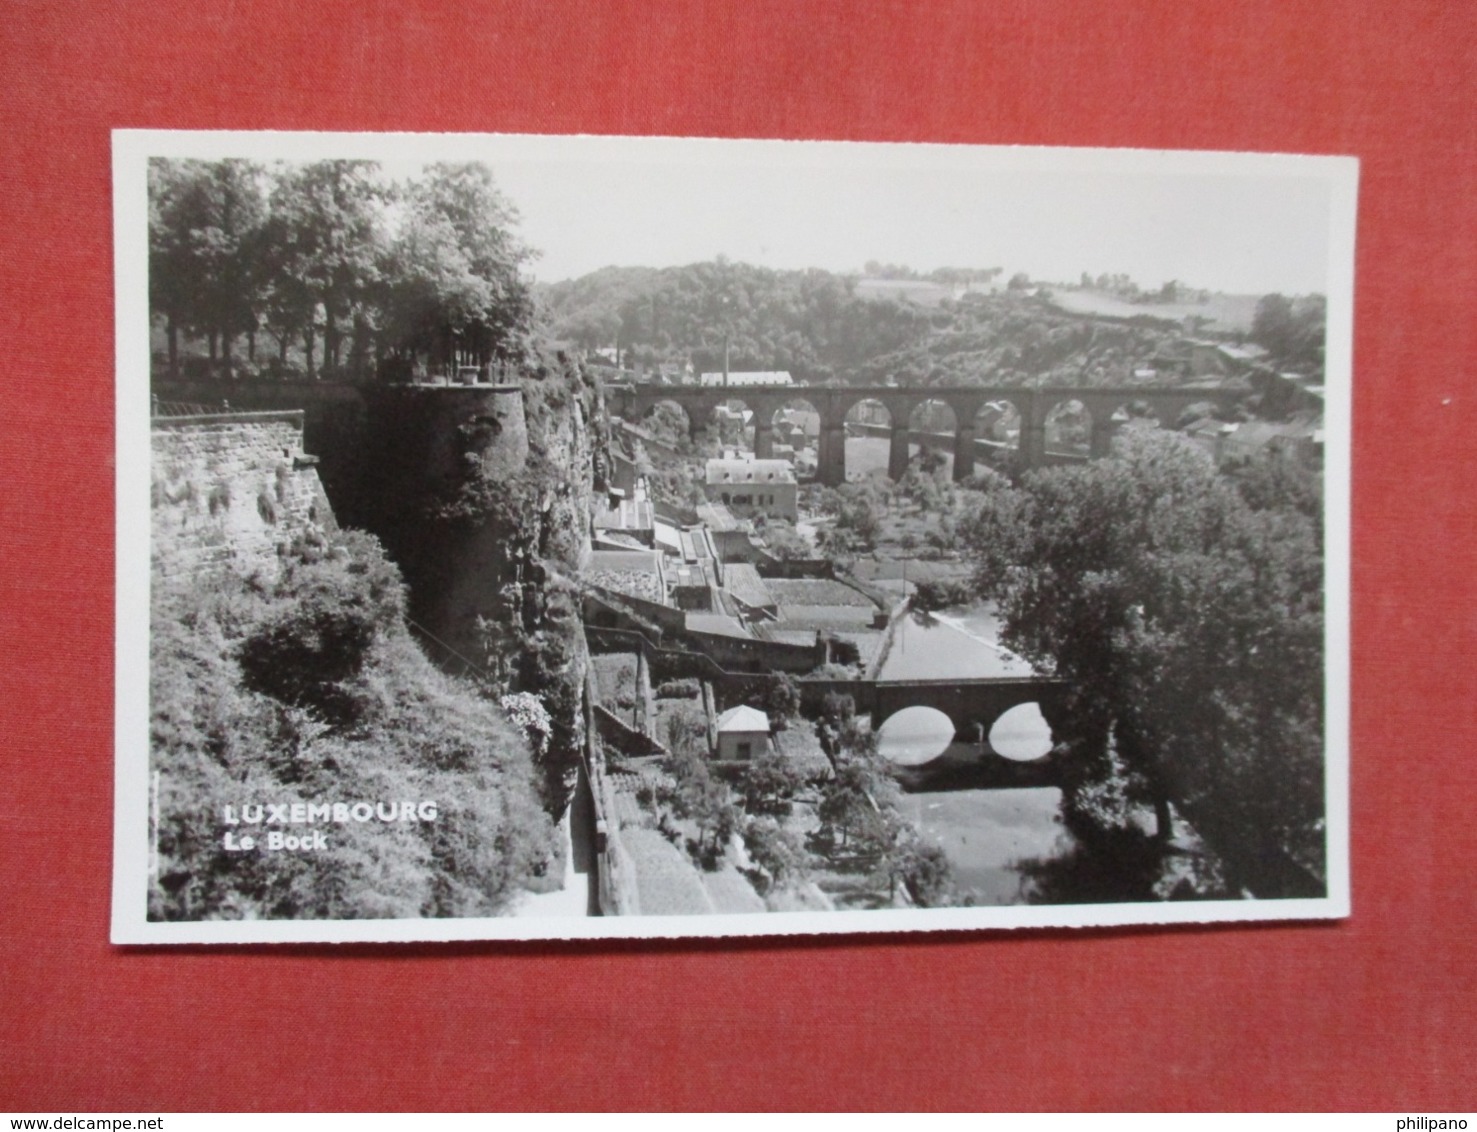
column 824, row 327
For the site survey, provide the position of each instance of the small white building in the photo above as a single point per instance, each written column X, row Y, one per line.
column 743, row 734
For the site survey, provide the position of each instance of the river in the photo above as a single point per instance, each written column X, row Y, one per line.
column 985, row 834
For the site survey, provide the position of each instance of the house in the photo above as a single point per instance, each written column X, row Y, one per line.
column 747, row 377
column 743, row 734
column 749, row 486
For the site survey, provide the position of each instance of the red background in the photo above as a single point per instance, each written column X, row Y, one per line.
column 1380, row 1011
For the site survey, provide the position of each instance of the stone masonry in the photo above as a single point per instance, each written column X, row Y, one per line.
column 230, row 490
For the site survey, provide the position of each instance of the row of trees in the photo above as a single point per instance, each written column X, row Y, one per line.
column 338, row 265
column 1185, row 608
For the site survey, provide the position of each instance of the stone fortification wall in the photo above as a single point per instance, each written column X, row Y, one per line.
column 229, row 489
column 333, row 420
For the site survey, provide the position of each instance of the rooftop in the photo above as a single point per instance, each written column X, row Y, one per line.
column 750, row 471
column 743, row 718
column 719, row 624
column 716, row 517
column 749, row 377
column 635, row 573
column 743, row 581
column 644, row 561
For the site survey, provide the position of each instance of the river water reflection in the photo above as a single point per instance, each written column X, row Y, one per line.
column 986, row 834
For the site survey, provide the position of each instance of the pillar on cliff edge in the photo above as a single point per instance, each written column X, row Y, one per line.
column 831, row 458
column 963, row 453
column 897, row 452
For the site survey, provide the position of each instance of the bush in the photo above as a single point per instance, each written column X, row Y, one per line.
column 684, row 689
column 330, row 612
column 777, row 851
column 312, row 690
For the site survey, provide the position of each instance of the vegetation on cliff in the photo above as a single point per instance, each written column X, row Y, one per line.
column 310, row 690
column 489, row 551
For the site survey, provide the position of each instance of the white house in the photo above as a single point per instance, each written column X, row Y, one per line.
column 743, row 734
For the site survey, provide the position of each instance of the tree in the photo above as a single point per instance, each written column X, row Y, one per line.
column 777, row 851
column 1292, row 330
column 1189, row 627
column 782, row 697
column 859, row 800
column 784, row 541
column 454, row 288
column 932, row 596
column 769, row 784
column 860, row 513
column 327, row 243
column 703, row 798
column 205, row 219
column 925, row 871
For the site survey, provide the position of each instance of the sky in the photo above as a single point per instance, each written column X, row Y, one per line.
column 1239, row 223
column 1228, row 234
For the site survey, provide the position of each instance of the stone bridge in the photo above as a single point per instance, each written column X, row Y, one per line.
column 974, row 407
column 972, row 706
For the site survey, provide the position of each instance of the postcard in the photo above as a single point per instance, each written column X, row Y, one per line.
column 528, row 537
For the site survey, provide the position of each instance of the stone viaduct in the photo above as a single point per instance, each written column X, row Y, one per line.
column 970, row 405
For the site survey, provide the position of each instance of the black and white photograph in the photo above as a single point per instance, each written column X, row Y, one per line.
column 532, row 537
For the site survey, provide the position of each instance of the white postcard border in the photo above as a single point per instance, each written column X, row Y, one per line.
column 131, row 151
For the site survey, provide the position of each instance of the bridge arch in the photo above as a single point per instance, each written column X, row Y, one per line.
column 735, row 423
column 1068, row 430
column 1138, row 410
column 997, row 427
column 1021, row 733
column 1134, row 413
column 795, row 423
column 913, row 736
column 869, row 423
column 991, row 735
column 669, row 422
column 932, row 426
column 972, row 705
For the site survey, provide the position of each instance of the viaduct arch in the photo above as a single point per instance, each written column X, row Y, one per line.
column 833, row 402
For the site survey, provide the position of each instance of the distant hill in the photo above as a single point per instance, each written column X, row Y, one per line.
column 824, row 327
